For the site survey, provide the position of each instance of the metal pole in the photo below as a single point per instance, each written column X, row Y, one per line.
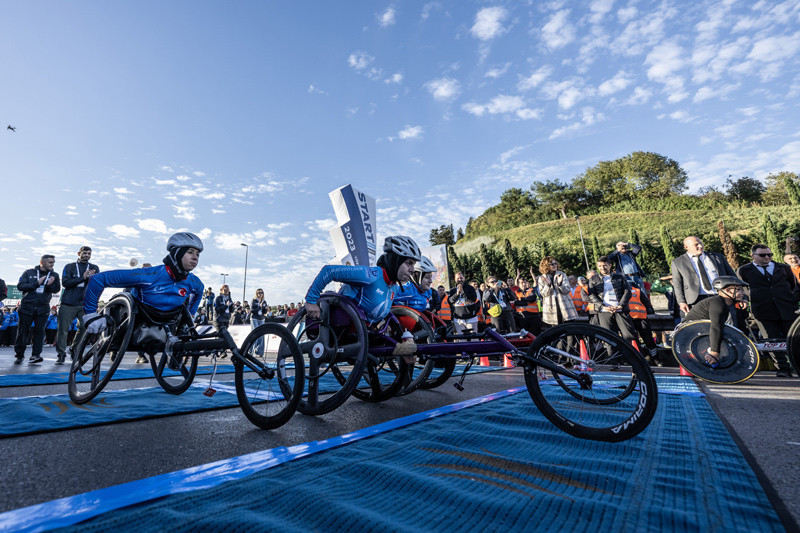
column 223, row 277
column 585, row 257
column 244, row 289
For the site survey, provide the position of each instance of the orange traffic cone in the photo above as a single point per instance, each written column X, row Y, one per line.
column 584, row 354
column 484, row 361
column 684, row 372
column 507, row 362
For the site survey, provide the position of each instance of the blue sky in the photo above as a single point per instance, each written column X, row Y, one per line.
column 234, row 120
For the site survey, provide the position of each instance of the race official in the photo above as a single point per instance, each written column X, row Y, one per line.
column 38, row 285
column 74, row 277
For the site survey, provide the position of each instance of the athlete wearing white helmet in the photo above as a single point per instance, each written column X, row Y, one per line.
column 163, row 289
column 417, row 293
column 373, row 288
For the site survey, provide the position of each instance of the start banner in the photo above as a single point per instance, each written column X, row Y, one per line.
column 354, row 238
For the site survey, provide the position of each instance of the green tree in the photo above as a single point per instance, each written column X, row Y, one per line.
column 668, row 246
column 652, row 175
column 745, row 189
column 510, row 258
column 595, row 251
column 771, row 234
column 442, row 235
column 483, row 255
column 459, row 234
column 728, row 247
column 453, row 264
column 711, row 193
column 792, row 190
column 552, row 195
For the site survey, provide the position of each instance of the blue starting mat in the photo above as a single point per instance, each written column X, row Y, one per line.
column 58, row 378
column 40, row 414
column 488, row 464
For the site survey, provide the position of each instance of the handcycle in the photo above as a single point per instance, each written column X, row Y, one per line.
column 268, row 395
column 739, row 354
column 585, row 379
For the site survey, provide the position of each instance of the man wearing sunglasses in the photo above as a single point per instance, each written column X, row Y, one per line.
column 694, row 272
column 774, row 294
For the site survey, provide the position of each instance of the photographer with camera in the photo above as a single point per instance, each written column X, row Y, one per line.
column 623, row 261
column 464, row 303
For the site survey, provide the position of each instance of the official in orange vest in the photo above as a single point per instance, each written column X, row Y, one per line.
column 639, row 307
column 528, row 317
column 578, row 295
column 444, row 312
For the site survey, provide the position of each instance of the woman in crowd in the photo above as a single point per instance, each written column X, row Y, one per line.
column 497, row 300
column 223, row 307
column 553, row 285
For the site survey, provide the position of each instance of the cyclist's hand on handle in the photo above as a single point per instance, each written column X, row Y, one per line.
column 684, row 308
column 313, row 311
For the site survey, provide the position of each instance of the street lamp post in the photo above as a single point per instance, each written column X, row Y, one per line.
column 223, row 277
column 244, row 289
column 586, row 257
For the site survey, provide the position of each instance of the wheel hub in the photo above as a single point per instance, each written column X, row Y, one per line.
column 318, row 350
column 585, row 381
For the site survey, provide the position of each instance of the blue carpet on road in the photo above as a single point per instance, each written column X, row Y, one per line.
column 38, row 414
column 56, row 378
column 496, row 466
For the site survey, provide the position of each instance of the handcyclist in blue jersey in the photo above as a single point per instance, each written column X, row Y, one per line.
column 373, row 288
column 161, row 289
column 417, row 293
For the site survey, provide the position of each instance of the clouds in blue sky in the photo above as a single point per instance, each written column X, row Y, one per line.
column 235, row 121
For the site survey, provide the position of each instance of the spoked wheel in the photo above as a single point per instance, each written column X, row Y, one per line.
column 269, row 398
column 174, row 374
column 611, row 395
column 793, row 344
column 384, row 376
column 98, row 356
column 414, row 322
column 334, row 350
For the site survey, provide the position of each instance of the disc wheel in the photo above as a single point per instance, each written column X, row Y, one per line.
column 334, row 350
column 738, row 356
column 416, row 323
column 611, row 395
column 173, row 381
column 97, row 356
column 270, row 398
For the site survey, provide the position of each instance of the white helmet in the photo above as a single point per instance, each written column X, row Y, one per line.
column 424, row 265
column 184, row 240
column 402, row 246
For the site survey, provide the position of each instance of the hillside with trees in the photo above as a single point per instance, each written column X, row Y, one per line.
column 637, row 198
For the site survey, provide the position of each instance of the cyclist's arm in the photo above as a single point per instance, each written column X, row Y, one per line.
column 351, row 275
column 122, row 279
column 195, row 296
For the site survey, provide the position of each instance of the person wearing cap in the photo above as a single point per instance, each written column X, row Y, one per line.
column 372, row 288
column 74, row 278
column 161, row 289
column 729, row 290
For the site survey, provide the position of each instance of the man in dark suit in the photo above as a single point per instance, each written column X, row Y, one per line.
column 774, row 294
column 694, row 272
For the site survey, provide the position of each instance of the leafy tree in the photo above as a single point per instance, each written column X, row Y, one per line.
column 745, row 189
column 459, row 234
column 552, row 195
column 442, row 235
column 667, row 244
column 652, row 175
column 711, row 193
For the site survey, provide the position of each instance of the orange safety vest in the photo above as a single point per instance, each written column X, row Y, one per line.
column 637, row 309
column 445, row 313
column 532, row 307
column 577, row 298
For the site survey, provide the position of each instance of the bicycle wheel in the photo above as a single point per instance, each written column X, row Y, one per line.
column 166, row 377
column 269, row 399
column 334, row 352
column 612, row 395
column 414, row 322
column 793, row 344
column 90, row 359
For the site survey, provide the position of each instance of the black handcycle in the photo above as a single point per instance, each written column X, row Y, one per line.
column 268, row 367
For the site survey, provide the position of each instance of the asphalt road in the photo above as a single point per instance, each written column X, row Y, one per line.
column 762, row 414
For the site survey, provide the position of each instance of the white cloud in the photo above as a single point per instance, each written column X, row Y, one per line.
column 706, row 92
column 427, row 8
column 360, row 60
column 558, row 32
column 313, row 89
column 680, row 116
column 502, row 104
column 61, row 235
column 153, row 224
column 588, row 117
column 626, row 14
column 775, row 48
column 184, row 211
column 599, row 8
column 410, row 132
column 532, row 81
column 443, row 88
column 568, row 92
column 497, row 72
column 122, row 231
column 395, row 78
column 640, row 96
column 387, row 18
column 121, row 190
column 489, row 23
column 665, row 61
column 618, row 83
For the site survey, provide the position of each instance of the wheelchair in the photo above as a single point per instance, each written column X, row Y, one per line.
column 267, row 394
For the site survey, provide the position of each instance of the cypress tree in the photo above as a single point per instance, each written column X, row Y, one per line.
column 483, row 254
column 668, row 246
column 595, row 250
column 510, row 259
column 771, row 234
column 453, row 265
column 792, row 190
column 727, row 245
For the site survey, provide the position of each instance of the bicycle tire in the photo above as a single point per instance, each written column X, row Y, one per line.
column 581, row 414
column 270, row 401
column 173, row 384
column 115, row 339
column 416, row 323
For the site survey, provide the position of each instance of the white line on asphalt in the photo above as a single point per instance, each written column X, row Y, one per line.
column 795, row 443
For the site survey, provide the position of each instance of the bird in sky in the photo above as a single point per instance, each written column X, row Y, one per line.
column 10, row 127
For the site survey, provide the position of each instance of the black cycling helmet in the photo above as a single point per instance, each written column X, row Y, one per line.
column 726, row 281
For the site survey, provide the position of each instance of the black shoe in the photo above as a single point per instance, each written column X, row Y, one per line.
column 783, row 374
column 18, row 359
column 35, row 359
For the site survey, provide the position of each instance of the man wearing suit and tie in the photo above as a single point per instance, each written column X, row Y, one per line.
column 694, row 272
column 774, row 295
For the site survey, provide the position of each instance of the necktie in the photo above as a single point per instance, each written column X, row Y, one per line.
column 703, row 273
column 766, row 274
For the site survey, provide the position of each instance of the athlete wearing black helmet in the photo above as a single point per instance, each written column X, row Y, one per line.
column 372, row 288
column 730, row 290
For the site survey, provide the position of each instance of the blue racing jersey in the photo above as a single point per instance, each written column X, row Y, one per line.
column 153, row 286
column 370, row 287
column 409, row 295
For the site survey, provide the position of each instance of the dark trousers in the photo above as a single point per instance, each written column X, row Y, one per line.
column 776, row 329
column 26, row 316
column 531, row 323
column 50, row 336
column 643, row 327
column 620, row 322
column 505, row 322
column 11, row 336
